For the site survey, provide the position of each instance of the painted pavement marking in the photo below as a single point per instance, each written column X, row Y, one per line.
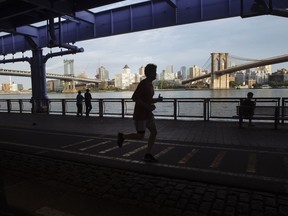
column 134, row 151
column 188, row 156
column 77, row 143
column 113, row 148
column 162, row 143
column 217, row 161
column 95, row 145
column 164, row 151
column 126, row 160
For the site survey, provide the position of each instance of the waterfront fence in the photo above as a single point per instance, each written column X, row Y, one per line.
column 170, row 108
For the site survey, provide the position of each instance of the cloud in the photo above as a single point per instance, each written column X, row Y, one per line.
column 184, row 45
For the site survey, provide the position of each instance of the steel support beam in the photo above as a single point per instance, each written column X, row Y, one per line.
column 137, row 17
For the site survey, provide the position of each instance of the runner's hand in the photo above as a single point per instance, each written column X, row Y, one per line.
column 159, row 99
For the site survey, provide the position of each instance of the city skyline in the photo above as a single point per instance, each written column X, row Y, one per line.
column 186, row 45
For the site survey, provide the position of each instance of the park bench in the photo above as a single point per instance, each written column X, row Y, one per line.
column 276, row 114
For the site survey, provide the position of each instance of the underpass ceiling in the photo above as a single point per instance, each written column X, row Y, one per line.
column 16, row 13
column 18, row 18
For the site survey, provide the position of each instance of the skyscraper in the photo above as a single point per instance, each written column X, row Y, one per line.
column 141, row 71
column 103, row 74
column 125, row 79
column 183, row 71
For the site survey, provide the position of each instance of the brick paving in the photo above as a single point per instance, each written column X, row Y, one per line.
column 136, row 193
column 163, row 196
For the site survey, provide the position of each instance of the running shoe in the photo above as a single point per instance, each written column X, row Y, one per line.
column 150, row 158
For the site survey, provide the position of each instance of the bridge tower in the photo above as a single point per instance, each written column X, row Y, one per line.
column 219, row 61
column 69, row 86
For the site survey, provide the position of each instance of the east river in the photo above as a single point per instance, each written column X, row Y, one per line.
column 231, row 93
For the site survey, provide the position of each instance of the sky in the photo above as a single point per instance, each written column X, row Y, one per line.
column 185, row 45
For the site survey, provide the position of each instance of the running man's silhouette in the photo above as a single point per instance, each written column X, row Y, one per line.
column 143, row 116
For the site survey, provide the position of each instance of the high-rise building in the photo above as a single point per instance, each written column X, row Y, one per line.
column 142, row 71
column 141, row 74
column 279, row 76
column 50, row 85
column 124, row 79
column 58, row 85
column 262, row 74
column 103, row 74
column 194, row 71
column 167, row 74
column 169, row 69
column 183, row 71
column 240, row 77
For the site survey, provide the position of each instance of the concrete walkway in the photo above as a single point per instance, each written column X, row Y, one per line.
column 70, row 188
column 212, row 132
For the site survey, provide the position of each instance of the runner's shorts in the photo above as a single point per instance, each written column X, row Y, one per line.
column 143, row 124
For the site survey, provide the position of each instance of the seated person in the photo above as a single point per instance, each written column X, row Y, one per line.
column 247, row 108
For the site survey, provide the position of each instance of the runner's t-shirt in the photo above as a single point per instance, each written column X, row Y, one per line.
column 145, row 93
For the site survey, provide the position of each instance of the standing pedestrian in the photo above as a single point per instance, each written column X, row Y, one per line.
column 143, row 116
column 79, row 101
column 88, row 104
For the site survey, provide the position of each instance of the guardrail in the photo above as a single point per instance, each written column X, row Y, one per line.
column 171, row 108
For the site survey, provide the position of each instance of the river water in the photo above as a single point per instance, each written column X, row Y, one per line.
column 231, row 93
column 217, row 109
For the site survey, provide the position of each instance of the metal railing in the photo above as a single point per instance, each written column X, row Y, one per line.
column 171, row 108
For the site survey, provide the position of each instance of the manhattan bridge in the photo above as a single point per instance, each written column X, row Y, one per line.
column 68, row 77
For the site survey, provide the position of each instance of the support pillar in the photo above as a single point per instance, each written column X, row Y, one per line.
column 219, row 61
column 69, row 86
column 39, row 98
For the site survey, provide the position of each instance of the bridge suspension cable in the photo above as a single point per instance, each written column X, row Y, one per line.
column 207, row 63
column 57, row 65
column 242, row 58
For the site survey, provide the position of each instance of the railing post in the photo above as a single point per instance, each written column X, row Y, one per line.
column 240, row 116
column 9, row 106
column 48, row 106
column 32, row 101
column 101, row 108
column 206, row 109
column 63, row 107
column 283, row 109
column 276, row 117
column 175, row 109
column 122, row 108
column 21, row 105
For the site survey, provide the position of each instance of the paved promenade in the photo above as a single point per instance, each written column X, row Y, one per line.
column 37, row 185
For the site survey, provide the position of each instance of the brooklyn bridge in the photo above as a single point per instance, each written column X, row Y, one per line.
column 221, row 67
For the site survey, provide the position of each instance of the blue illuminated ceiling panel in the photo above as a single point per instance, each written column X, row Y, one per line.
column 83, row 24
